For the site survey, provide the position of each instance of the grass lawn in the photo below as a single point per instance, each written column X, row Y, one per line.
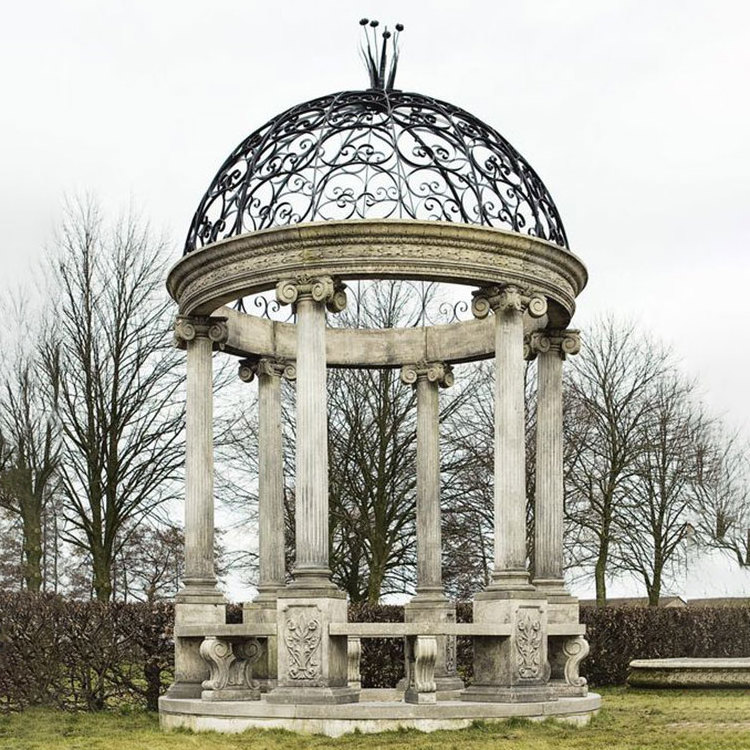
column 678, row 720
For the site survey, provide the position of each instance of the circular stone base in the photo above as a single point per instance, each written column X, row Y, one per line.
column 365, row 716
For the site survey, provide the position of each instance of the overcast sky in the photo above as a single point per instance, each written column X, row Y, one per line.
column 635, row 115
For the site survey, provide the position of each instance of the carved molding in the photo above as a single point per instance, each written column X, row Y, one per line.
column 529, row 644
column 188, row 328
column 422, row 666
column 230, row 664
column 440, row 251
column 435, row 372
column 302, row 636
column 507, row 299
column 450, row 654
column 576, row 650
column 563, row 343
column 353, row 658
column 265, row 367
column 323, row 289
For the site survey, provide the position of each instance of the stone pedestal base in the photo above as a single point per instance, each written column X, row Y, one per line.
column 262, row 610
column 511, row 669
column 380, row 715
column 438, row 610
column 190, row 670
column 312, row 665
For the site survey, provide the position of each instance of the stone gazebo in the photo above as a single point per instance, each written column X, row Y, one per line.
column 358, row 185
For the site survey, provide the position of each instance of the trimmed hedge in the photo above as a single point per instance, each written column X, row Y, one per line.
column 89, row 655
column 617, row 635
column 83, row 654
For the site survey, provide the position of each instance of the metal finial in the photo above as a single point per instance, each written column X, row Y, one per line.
column 375, row 54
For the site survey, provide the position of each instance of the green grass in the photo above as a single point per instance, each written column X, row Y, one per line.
column 630, row 719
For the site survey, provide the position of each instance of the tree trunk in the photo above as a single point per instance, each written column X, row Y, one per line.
column 600, row 571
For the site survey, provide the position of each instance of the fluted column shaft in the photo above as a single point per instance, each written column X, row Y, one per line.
column 312, row 442
column 550, row 348
column 311, row 296
column 426, row 378
column 508, row 303
column 198, row 335
column 271, row 540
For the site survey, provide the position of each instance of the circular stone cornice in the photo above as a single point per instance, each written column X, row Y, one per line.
column 222, row 272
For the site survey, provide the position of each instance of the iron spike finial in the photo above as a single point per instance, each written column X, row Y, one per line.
column 375, row 54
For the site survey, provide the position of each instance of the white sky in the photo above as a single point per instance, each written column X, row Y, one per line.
column 635, row 115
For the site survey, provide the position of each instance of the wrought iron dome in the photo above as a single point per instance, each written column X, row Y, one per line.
column 380, row 153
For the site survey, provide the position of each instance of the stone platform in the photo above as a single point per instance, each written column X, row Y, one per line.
column 366, row 716
column 690, row 673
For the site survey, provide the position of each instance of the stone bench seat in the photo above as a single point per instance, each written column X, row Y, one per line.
column 408, row 629
column 690, row 673
column 236, row 630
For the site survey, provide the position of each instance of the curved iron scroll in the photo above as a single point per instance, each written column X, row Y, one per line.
column 377, row 155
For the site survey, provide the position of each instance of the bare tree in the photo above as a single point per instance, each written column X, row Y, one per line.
column 722, row 512
column 608, row 388
column 29, row 459
column 117, row 382
column 657, row 511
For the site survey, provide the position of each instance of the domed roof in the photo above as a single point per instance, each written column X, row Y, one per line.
column 374, row 154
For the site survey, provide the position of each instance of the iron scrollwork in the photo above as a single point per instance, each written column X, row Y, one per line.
column 374, row 154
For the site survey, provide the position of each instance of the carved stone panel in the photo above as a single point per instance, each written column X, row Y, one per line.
column 528, row 637
column 302, row 639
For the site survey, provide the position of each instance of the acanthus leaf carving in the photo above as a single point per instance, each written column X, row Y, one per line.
column 529, row 645
column 302, row 636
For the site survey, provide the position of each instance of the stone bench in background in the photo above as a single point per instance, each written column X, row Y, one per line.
column 690, row 673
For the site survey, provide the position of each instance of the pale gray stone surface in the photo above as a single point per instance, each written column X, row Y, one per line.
column 527, row 640
column 336, row 720
column 687, row 673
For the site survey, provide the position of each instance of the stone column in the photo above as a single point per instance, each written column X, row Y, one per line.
column 426, row 378
column 271, row 538
column 311, row 297
column 312, row 664
column 509, row 304
column 271, row 542
column 199, row 335
column 550, row 347
column 430, row 603
column 198, row 602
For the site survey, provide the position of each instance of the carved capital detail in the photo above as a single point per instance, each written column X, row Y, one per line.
column 435, row 372
column 560, row 342
column 189, row 328
column 265, row 367
column 323, row 289
column 507, row 299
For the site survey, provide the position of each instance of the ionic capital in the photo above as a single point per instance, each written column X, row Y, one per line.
column 323, row 289
column 507, row 299
column 440, row 373
column 557, row 342
column 265, row 367
column 200, row 326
